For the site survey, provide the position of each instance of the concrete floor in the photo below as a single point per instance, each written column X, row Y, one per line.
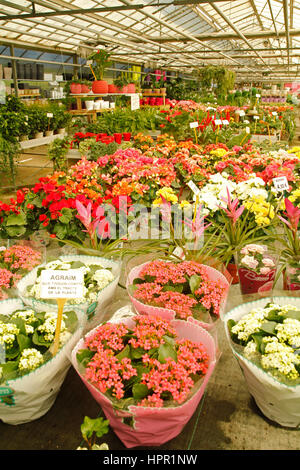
column 227, row 417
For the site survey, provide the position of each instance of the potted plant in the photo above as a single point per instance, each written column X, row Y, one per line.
column 75, row 86
column 101, row 57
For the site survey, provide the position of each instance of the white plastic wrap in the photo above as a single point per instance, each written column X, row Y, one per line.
column 277, row 401
column 93, row 310
column 33, row 394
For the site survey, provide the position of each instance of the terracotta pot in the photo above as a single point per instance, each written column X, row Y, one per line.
column 85, row 89
column 131, row 88
column 125, row 89
column 75, row 88
column 100, row 87
column 112, row 89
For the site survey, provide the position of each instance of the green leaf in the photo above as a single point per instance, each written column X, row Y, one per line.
column 15, row 231
column 140, row 391
column 258, row 340
column 84, row 356
column 165, row 351
column 23, row 341
column 9, row 370
column 71, row 321
column 269, row 327
column 99, row 426
column 137, row 353
column 292, row 314
column 194, row 282
column 66, row 216
column 124, row 353
column 16, row 219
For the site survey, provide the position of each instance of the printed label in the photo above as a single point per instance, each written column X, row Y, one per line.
column 61, row 284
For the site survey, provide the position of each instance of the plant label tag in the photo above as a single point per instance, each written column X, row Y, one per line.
column 178, row 252
column 255, row 117
column 248, row 130
column 50, row 115
column 281, row 183
column 62, row 284
column 257, row 95
column 193, row 187
column 134, row 101
column 59, row 78
column 242, row 112
column 225, row 122
column 218, row 122
column 274, row 113
column 89, row 62
column 193, row 125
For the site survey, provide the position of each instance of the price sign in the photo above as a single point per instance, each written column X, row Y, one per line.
column 255, row 117
column 134, row 101
column 281, row 183
column 257, row 95
column 193, row 125
column 89, row 62
column 49, row 115
column 225, row 122
column 274, row 113
column 242, row 112
column 59, row 78
column 178, row 252
column 193, row 187
column 218, row 122
column 248, row 130
column 61, row 284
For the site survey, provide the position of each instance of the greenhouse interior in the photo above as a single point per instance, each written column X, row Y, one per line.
column 150, row 208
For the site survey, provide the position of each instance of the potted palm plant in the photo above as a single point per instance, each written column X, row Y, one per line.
column 101, row 58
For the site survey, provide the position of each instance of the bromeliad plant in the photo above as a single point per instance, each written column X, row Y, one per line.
column 290, row 255
column 237, row 228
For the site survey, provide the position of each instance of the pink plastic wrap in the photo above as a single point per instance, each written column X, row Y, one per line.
column 155, row 426
column 144, row 309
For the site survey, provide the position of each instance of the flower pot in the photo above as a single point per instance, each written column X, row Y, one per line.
column 232, row 269
column 126, row 136
column 75, row 88
column 38, row 135
column 278, row 401
column 131, row 88
column 85, row 89
column 49, row 133
column 23, row 138
column 291, row 278
column 163, row 91
column 100, row 87
column 147, row 91
column 169, row 313
column 61, row 130
column 112, row 88
column 27, row 398
column 92, row 309
column 118, row 138
column 89, row 105
column 152, row 426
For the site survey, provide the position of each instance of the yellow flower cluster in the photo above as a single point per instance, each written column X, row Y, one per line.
column 295, row 150
column 167, row 193
column 263, row 211
column 219, row 152
column 294, row 197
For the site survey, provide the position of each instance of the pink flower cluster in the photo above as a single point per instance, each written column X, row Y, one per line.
column 173, row 378
column 15, row 262
column 162, row 274
column 170, row 379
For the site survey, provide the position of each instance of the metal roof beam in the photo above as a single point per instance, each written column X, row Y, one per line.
column 228, row 35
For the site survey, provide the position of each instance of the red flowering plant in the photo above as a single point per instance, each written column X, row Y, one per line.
column 145, row 364
column 181, row 289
